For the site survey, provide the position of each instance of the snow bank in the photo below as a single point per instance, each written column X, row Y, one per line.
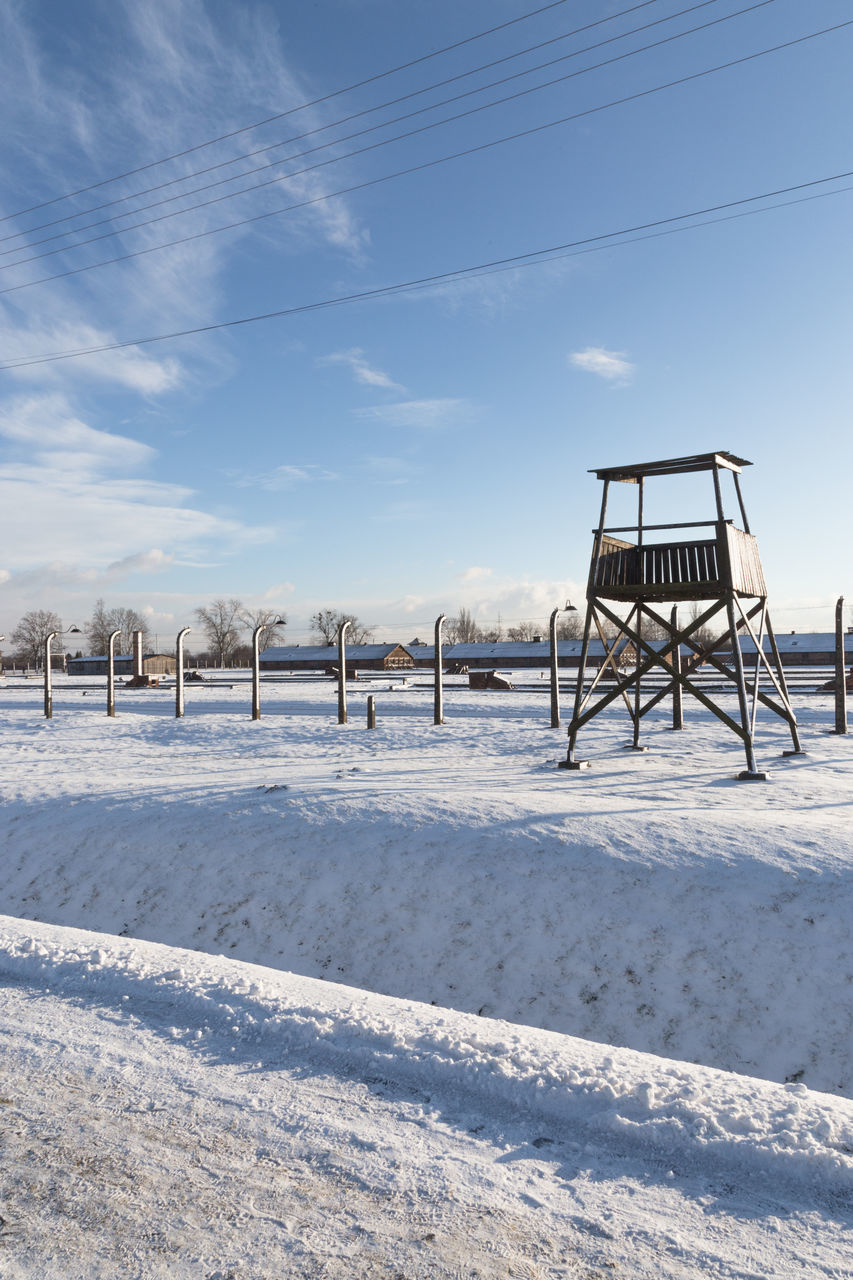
column 653, row 902
column 220, row 1007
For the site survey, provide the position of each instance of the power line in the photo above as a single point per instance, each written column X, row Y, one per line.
column 280, row 115
column 429, row 164
column 531, row 258
column 354, row 116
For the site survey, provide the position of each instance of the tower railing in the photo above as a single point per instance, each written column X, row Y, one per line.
column 677, row 570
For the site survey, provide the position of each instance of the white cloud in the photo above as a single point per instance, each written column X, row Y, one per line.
column 153, row 561
column 176, row 71
column 361, row 370
column 69, row 487
column 475, row 574
column 50, row 432
column 422, row 415
column 278, row 590
column 610, row 365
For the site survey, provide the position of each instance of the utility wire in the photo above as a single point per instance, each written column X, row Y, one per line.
column 356, row 115
column 429, row 164
column 361, row 132
column 531, row 258
column 280, row 115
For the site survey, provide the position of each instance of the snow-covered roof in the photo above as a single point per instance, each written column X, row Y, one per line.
column 102, row 657
column 800, row 642
column 326, row 652
column 508, row 650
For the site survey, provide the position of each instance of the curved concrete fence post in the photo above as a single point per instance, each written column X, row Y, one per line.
column 179, row 672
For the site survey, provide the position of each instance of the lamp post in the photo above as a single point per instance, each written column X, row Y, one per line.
column 568, row 607
column 179, row 672
column 438, row 696
column 111, row 673
column 342, row 673
column 256, row 664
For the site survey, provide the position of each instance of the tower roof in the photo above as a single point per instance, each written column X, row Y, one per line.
column 672, row 466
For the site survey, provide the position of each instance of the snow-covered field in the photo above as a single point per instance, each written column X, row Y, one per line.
column 182, row 1114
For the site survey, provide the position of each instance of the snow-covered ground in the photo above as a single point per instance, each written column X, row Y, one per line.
column 652, row 901
column 167, row 1113
column 176, row 1113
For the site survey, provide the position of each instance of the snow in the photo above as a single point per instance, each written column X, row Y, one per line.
column 192, row 1113
column 230, row 1119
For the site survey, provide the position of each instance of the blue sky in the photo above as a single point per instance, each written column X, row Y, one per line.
column 406, row 455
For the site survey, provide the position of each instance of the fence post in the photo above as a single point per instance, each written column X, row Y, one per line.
column 111, row 673
column 371, row 711
column 677, row 701
column 840, row 674
column 555, row 674
column 48, row 681
column 179, row 672
column 568, row 607
column 256, row 670
column 438, row 676
column 342, row 673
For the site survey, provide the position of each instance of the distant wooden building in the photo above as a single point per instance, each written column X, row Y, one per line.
column 153, row 664
column 324, row 658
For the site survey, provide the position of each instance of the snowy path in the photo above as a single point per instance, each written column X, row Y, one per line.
column 168, row 1114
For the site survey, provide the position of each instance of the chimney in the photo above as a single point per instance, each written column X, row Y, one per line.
column 137, row 653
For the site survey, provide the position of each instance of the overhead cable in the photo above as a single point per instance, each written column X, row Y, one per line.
column 348, row 155
column 428, row 164
column 280, row 115
column 356, row 115
column 588, row 244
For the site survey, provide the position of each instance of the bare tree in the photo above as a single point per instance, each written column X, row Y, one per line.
column 222, row 621
column 104, row 622
column 325, row 623
column 463, row 628
column 274, row 632
column 31, row 632
column 570, row 626
column 706, row 635
column 524, row 631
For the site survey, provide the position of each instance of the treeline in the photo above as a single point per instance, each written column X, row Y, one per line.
column 227, row 626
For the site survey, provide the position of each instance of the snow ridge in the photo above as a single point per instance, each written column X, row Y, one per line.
column 226, row 1008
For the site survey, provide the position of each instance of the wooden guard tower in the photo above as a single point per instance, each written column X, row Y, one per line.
column 722, row 570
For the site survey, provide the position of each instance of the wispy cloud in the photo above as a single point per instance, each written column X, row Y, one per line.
column 476, row 573
column 66, row 484
column 51, row 433
column 406, row 511
column 610, row 365
column 361, row 370
column 389, row 470
column 422, row 415
column 278, row 590
column 174, row 72
column 286, row 476
column 153, row 561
